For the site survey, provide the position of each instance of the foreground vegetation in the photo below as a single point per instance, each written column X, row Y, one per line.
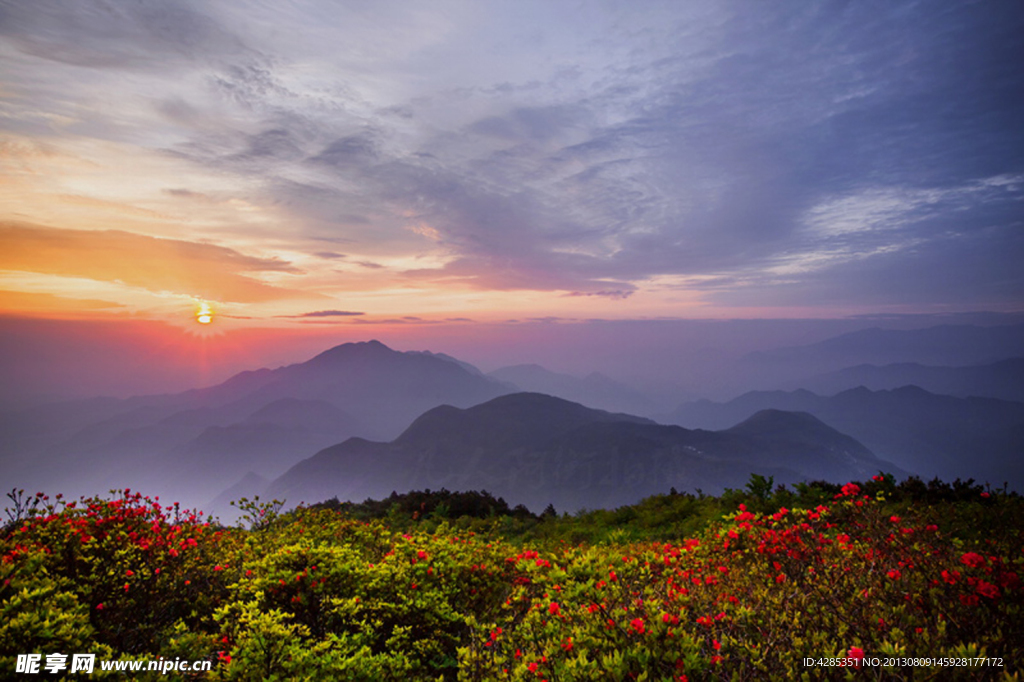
column 450, row 586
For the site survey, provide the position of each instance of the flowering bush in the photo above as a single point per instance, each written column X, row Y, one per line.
column 855, row 571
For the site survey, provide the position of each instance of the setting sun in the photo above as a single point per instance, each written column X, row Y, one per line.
column 204, row 315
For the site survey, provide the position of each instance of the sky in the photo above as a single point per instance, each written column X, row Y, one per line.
column 307, row 170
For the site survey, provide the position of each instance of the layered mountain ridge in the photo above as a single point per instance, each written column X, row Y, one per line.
column 535, row 449
column 194, row 444
column 416, row 419
column 929, row 434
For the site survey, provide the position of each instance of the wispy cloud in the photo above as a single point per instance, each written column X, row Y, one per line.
column 195, row 269
column 327, row 313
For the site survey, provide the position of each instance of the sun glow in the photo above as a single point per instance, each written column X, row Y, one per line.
column 204, row 313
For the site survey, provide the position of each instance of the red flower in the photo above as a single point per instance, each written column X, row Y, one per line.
column 856, row 652
column 554, row 608
column 973, row 560
column 894, row 574
column 638, row 625
column 988, row 590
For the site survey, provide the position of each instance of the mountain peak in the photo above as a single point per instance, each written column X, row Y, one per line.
column 514, row 420
column 775, row 420
column 373, row 348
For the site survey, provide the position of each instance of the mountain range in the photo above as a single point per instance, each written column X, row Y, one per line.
column 593, row 390
column 938, row 346
column 926, row 433
column 379, row 420
column 192, row 445
column 535, row 449
column 1003, row 379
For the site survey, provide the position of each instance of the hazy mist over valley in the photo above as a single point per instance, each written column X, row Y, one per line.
column 361, row 420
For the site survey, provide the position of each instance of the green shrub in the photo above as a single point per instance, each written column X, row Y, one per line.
column 741, row 586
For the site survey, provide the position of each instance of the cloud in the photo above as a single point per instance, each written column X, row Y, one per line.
column 327, row 313
column 725, row 147
column 21, row 302
column 614, row 293
column 708, row 170
column 202, row 270
column 125, row 35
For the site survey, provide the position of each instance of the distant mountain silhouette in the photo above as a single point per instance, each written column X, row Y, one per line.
column 536, row 449
column 1003, row 379
column 927, row 434
column 269, row 441
column 382, row 388
column 595, row 390
column 192, row 445
column 944, row 345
